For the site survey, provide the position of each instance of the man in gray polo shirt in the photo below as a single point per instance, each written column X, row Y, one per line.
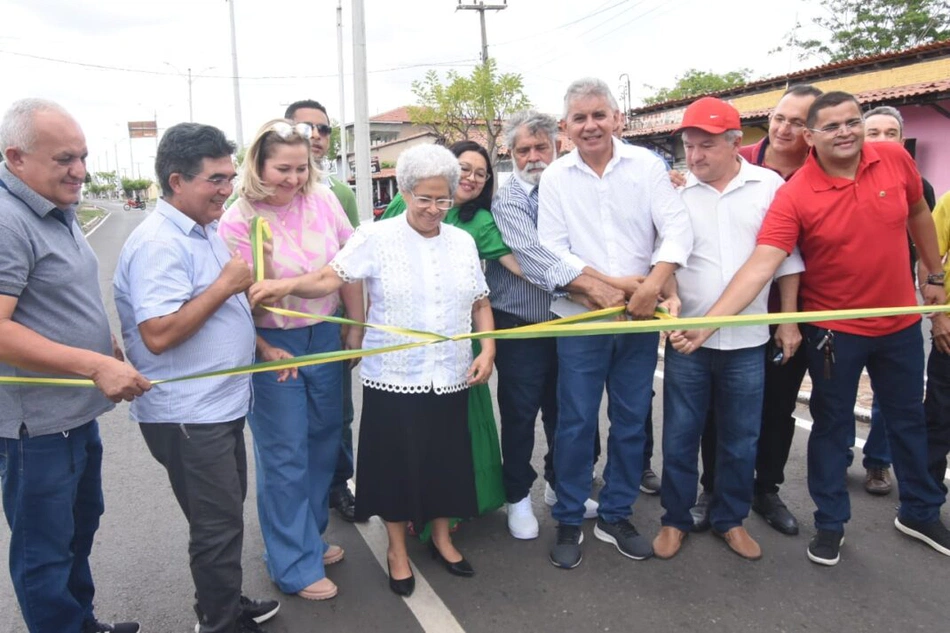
column 52, row 322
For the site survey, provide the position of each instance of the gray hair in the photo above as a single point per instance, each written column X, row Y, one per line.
column 887, row 111
column 730, row 136
column 534, row 122
column 427, row 161
column 17, row 128
column 588, row 87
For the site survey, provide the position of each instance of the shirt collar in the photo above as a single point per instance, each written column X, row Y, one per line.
column 185, row 224
column 37, row 203
column 621, row 150
column 525, row 185
column 819, row 179
column 745, row 175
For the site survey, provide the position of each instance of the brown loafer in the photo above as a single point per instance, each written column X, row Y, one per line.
column 334, row 554
column 323, row 589
column 668, row 542
column 741, row 543
column 878, row 481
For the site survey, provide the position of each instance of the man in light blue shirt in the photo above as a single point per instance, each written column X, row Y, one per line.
column 180, row 298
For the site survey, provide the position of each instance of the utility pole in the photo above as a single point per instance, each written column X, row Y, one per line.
column 191, row 103
column 481, row 7
column 625, row 96
column 239, row 132
column 364, row 181
column 344, row 162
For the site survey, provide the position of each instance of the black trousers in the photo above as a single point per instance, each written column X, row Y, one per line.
column 782, row 383
column 937, row 412
column 207, row 468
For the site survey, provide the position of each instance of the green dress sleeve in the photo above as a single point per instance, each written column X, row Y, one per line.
column 394, row 208
column 347, row 200
column 487, row 237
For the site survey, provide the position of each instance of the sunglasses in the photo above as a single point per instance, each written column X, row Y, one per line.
column 285, row 130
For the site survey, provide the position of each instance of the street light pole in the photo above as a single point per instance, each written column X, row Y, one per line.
column 364, row 199
column 239, row 132
column 191, row 109
column 344, row 163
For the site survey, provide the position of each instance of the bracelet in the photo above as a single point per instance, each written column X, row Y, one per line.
column 936, row 280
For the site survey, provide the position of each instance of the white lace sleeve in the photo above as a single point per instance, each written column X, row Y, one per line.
column 357, row 259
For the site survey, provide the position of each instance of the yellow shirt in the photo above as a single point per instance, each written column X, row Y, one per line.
column 941, row 215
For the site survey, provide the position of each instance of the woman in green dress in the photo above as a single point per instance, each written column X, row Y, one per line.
column 471, row 213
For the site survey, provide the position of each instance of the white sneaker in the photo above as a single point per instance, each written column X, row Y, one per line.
column 590, row 506
column 521, row 520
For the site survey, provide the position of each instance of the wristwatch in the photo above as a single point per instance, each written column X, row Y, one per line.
column 936, row 280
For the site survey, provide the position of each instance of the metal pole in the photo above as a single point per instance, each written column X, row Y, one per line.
column 361, row 111
column 131, row 160
column 481, row 15
column 239, row 132
column 344, row 163
column 191, row 110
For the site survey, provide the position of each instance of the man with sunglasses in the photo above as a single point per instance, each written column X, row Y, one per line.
column 315, row 115
column 783, row 150
column 847, row 210
column 180, row 299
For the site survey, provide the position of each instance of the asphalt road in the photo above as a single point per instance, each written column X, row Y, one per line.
column 885, row 582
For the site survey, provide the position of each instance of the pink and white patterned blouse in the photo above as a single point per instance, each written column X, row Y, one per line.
column 308, row 233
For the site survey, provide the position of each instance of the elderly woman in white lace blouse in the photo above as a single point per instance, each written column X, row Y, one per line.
column 415, row 457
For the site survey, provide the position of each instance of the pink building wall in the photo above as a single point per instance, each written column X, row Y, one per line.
column 932, row 131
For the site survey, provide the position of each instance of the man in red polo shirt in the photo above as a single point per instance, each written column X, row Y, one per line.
column 847, row 210
column 784, row 151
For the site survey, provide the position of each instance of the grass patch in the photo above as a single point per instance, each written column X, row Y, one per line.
column 88, row 215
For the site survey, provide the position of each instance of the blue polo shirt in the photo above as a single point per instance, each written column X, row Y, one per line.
column 46, row 263
column 168, row 260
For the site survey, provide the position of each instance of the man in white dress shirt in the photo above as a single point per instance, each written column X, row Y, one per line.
column 727, row 199
column 610, row 207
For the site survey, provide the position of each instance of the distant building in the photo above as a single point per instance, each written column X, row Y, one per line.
column 915, row 81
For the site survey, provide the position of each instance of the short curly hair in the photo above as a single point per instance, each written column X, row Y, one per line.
column 427, row 161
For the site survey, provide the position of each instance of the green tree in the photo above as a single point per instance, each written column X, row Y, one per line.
column 859, row 28
column 455, row 108
column 131, row 185
column 698, row 82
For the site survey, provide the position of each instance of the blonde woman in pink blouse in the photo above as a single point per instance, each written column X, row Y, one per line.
column 296, row 423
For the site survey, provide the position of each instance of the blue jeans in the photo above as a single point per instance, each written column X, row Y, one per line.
column 52, row 499
column 734, row 381
column 877, row 450
column 296, row 426
column 895, row 363
column 586, row 364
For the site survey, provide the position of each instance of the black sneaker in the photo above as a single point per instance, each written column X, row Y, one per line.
column 625, row 537
column 343, row 501
column 118, row 627
column 247, row 625
column 566, row 552
column 825, row 546
column 650, row 482
column 259, row 610
column 935, row 534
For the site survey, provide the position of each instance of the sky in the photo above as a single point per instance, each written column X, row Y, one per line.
column 113, row 61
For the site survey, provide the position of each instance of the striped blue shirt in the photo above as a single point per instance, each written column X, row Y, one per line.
column 515, row 209
column 168, row 260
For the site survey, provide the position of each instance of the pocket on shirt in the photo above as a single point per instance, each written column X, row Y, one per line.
column 891, row 206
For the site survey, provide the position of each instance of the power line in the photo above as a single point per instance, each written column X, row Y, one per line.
column 143, row 71
column 595, row 12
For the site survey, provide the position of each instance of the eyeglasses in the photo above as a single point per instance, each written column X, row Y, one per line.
column 442, row 204
column 218, row 181
column 286, row 130
column 795, row 124
column 480, row 174
column 834, row 128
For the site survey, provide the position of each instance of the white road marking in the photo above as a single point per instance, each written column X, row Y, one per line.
column 424, row 603
column 101, row 222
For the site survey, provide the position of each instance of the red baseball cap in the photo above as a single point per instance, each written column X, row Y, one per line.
column 711, row 115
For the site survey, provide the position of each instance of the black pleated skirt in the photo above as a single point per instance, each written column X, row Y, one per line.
column 414, row 459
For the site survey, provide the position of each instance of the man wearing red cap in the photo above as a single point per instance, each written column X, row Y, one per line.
column 848, row 210
column 784, row 151
column 727, row 199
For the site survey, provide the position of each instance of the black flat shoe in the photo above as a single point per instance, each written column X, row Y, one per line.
column 461, row 568
column 403, row 587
